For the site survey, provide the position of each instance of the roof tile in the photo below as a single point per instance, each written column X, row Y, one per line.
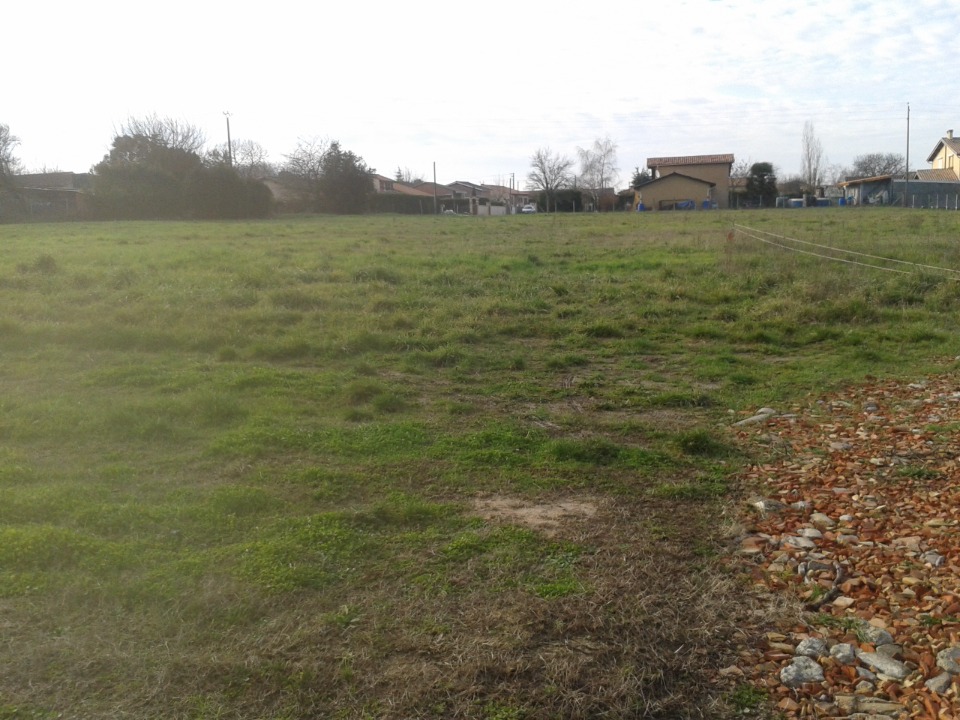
column 690, row 160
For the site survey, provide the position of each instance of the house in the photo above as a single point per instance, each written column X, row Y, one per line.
column 712, row 169
column 935, row 187
column 383, row 184
column 675, row 191
column 47, row 196
column 511, row 198
column 465, row 189
column 946, row 156
column 435, row 190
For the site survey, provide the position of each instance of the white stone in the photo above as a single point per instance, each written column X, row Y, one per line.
column 801, row 543
column 812, row 648
column 940, row 684
column 801, row 671
column 885, row 665
column 843, row 653
column 821, row 520
column 949, row 660
column 875, row 635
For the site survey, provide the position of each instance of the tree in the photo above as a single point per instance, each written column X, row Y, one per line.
column 874, row 164
column 143, row 177
column 407, row 177
column 250, row 158
column 155, row 170
column 834, row 173
column 330, row 178
column 790, row 185
column 549, row 172
column 165, row 132
column 305, row 166
column 640, row 177
column 344, row 181
column 220, row 192
column 811, row 158
column 598, row 167
column 740, row 168
column 762, row 184
column 9, row 163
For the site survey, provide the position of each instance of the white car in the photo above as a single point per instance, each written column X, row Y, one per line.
column 528, row 209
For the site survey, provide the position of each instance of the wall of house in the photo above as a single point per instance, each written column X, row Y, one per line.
column 670, row 190
column 946, row 159
column 717, row 173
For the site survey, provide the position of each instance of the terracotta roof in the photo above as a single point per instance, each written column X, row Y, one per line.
column 690, row 160
column 427, row 187
column 404, row 189
column 937, row 175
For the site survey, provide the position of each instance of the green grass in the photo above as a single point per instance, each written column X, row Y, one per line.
column 243, row 465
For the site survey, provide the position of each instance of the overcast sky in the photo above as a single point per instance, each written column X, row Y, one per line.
column 478, row 87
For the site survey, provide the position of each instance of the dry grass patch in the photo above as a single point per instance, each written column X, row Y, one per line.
column 547, row 517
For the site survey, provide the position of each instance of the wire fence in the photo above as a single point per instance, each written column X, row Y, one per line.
column 934, row 201
column 791, row 244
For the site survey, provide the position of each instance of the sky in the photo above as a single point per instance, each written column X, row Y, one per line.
column 474, row 89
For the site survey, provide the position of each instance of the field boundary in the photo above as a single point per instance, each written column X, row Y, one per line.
column 747, row 231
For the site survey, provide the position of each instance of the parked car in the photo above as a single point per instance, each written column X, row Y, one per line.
column 528, row 209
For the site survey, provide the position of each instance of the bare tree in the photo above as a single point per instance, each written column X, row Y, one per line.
column 305, row 164
column 740, row 168
column 9, row 162
column 165, row 132
column 834, row 173
column 598, row 167
column 811, row 158
column 549, row 172
column 407, row 176
column 250, row 158
column 874, row 164
column 306, row 161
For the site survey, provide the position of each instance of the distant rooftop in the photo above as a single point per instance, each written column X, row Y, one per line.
column 726, row 159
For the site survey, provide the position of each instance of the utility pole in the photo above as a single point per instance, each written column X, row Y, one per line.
column 906, row 177
column 434, row 187
column 229, row 144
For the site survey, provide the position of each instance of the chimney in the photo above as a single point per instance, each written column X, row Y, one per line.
column 949, row 134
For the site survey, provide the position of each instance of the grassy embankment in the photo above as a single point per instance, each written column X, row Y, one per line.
column 301, row 468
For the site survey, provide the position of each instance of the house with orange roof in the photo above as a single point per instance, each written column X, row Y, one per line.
column 702, row 180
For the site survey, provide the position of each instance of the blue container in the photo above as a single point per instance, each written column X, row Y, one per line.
column 843, row 201
column 640, row 207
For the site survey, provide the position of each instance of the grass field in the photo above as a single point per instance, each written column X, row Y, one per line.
column 392, row 467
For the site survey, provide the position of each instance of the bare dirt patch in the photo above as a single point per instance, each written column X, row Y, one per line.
column 547, row 517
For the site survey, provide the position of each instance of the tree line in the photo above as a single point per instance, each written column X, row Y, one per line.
column 560, row 181
column 563, row 182
column 160, row 168
column 763, row 183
